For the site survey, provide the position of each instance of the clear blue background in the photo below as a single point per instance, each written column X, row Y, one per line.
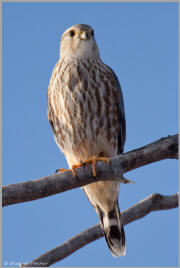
column 139, row 41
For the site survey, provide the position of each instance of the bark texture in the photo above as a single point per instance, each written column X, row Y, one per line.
column 163, row 148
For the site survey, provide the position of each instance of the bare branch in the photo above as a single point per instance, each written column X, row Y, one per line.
column 163, row 148
column 137, row 211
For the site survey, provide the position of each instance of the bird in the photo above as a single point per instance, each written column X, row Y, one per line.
column 86, row 112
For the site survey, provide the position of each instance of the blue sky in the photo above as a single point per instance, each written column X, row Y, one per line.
column 139, row 42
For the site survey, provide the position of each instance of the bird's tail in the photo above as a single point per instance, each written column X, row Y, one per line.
column 113, row 230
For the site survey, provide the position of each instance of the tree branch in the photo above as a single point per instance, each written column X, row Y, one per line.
column 137, row 211
column 163, row 148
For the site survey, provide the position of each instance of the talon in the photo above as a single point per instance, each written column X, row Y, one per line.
column 81, row 164
column 93, row 161
column 74, row 168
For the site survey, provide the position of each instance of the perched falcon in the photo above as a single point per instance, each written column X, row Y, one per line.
column 86, row 114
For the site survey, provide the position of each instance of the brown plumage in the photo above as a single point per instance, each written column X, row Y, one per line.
column 86, row 113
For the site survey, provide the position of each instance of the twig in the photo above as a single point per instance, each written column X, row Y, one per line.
column 137, row 211
column 163, row 148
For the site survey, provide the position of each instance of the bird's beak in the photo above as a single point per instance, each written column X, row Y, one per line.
column 84, row 35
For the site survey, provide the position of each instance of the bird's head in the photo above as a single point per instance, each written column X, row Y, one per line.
column 78, row 42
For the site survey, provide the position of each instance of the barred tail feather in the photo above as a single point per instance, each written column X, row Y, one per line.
column 113, row 231
column 115, row 238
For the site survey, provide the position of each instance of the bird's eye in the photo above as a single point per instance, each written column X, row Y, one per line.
column 71, row 33
column 92, row 33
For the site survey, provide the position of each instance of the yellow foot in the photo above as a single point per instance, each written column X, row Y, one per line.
column 76, row 166
column 92, row 161
column 61, row 170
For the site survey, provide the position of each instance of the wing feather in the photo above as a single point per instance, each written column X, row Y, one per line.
column 122, row 119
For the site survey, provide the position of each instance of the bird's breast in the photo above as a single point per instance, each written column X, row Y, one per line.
column 86, row 114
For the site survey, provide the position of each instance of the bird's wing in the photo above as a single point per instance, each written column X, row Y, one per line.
column 122, row 119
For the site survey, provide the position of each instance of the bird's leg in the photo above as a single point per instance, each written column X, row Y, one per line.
column 92, row 161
